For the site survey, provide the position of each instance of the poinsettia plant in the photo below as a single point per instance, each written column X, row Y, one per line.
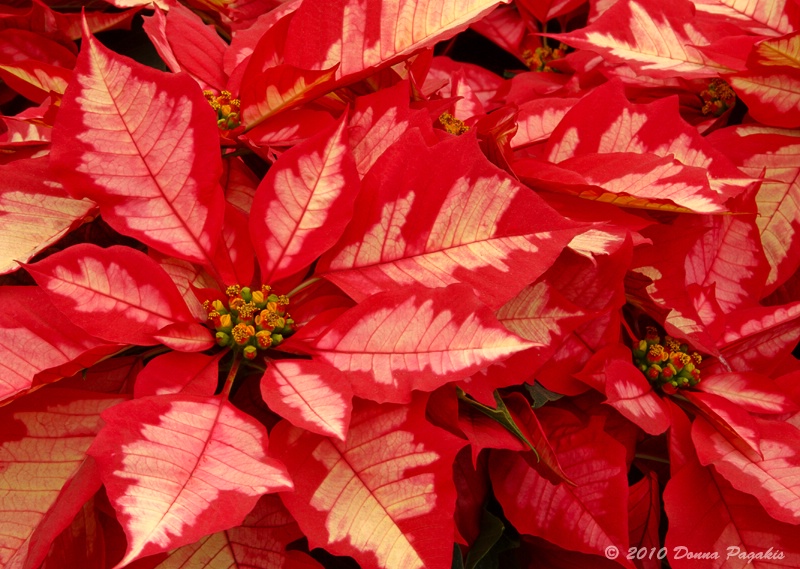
column 308, row 283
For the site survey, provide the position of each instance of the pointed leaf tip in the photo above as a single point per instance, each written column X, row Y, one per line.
column 179, row 467
column 396, row 342
column 144, row 146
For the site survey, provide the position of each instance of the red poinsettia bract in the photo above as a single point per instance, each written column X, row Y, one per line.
column 261, row 291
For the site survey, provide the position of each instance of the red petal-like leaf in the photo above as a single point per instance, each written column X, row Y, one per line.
column 277, row 89
column 96, row 20
column 379, row 120
column 751, row 391
column 604, row 122
column 587, row 517
column 771, row 94
column 267, row 85
column 76, row 492
column 24, row 132
column 187, row 278
column 310, row 394
column 782, row 51
column 378, row 496
column 36, row 338
column 174, row 372
column 21, row 45
column 549, row 9
column 644, row 512
column 773, row 480
column 186, row 337
column 484, row 432
column 303, row 204
column 79, row 544
column 287, row 129
column 706, row 514
column 240, row 184
column 35, row 215
column 630, row 393
column 775, row 155
column 756, row 339
column 35, row 79
column 596, row 285
column 359, row 38
column 469, row 222
column 189, row 45
column 482, row 83
column 763, row 17
column 234, row 259
column 260, row 542
column 532, row 429
column 540, row 313
column 504, row 26
column 699, row 319
column 144, row 146
column 393, row 343
column 472, row 486
column 179, row 467
column 735, row 424
column 628, row 180
column 42, row 445
column 117, row 294
column 656, row 39
column 115, row 375
column 537, row 119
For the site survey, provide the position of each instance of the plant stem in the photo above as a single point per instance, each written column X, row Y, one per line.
column 652, row 457
column 226, row 389
column 303, row 285
column 256, row 367
column 158, row 350
column 237, row 152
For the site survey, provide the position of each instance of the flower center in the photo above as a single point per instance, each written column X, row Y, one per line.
column 251, row 320
column 227, row 109
column 717, row 98
column 452, row 125
column 669, row 364
column 540, row 58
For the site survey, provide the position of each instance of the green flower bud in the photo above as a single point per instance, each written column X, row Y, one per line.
column 223, row 339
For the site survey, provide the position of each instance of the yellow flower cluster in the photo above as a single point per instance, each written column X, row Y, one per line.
column 227, row 108
column 668, row 364
column 251, row 320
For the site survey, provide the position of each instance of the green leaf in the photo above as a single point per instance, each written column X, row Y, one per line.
column 540, row 395
column 501, row 415
column 492, row 529
column 458, row 559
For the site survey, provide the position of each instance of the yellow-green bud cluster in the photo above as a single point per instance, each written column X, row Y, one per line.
column 717, row 98
column 227, row 108
column 539, row 58
column 452, row 125
column 669, row 364
column 251, row 320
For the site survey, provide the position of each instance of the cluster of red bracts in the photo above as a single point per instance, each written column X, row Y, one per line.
column 252, row 320
column 668, row 365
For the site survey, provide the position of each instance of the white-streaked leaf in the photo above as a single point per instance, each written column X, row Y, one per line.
column 144, row 146
column 179, row 467
column 310, row 394
column 393, row 343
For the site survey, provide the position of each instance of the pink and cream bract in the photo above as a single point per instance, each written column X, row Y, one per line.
column 394, row 284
